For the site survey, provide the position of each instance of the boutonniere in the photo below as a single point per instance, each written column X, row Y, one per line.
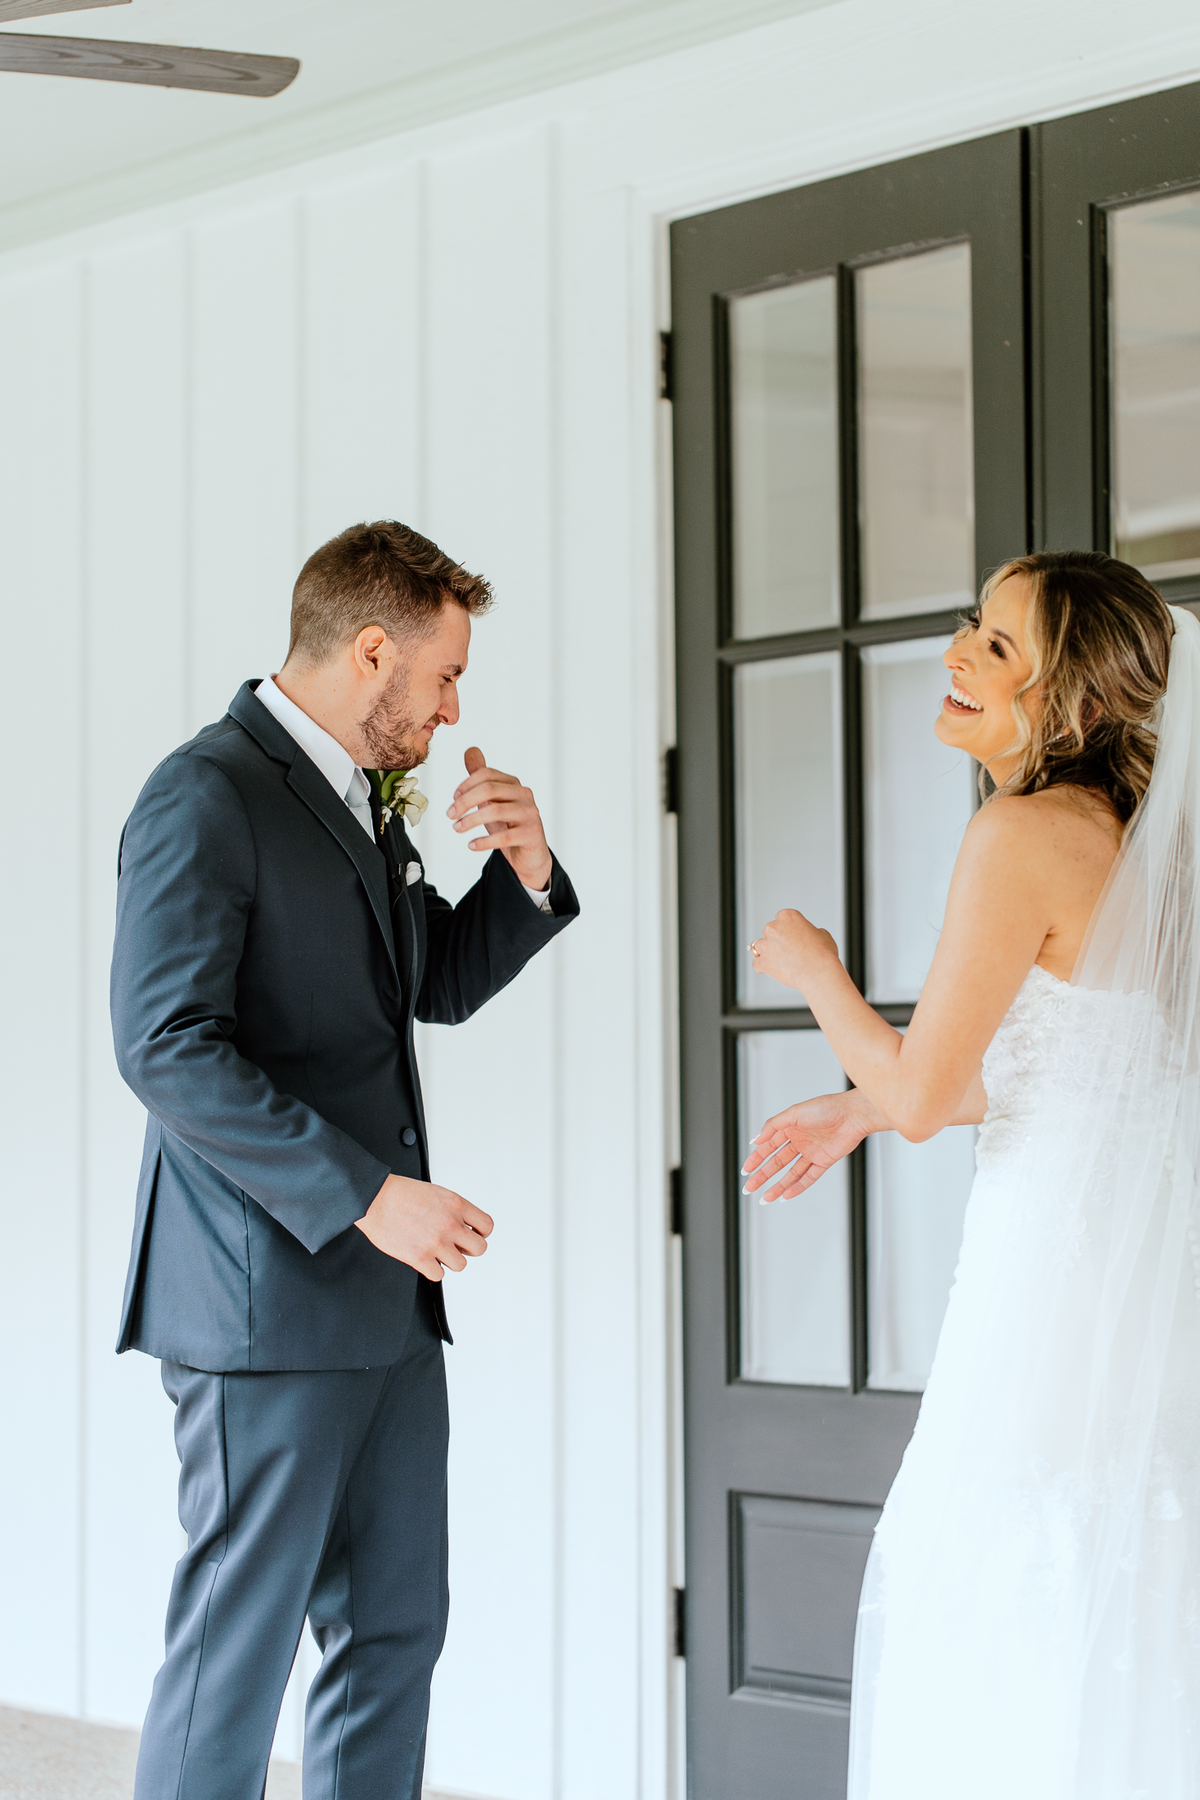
column 398, row 794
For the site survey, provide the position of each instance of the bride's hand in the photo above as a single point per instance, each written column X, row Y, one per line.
column 810, row 1137
column 791, row 949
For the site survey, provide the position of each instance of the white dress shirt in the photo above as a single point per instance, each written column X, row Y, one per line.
column 339, row 768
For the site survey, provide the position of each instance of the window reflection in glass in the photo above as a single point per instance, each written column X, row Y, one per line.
column 916, row 475
column 788, row 804
column 916, row 1197
column 795, row 1254
column 919, row 798
column 1154, row 251
column 783, row 381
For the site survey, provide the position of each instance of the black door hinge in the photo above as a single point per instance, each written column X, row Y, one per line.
column 671, row 779
column 680, row 1622
column 676, row 1202
column 666, row 366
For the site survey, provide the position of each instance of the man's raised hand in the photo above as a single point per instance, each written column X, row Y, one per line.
column 798, row 1145
column 428, row 1227
column 509, row 811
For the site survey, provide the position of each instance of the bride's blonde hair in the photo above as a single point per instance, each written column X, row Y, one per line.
column 1100, row 643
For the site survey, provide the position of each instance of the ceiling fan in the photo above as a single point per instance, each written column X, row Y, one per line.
column 151, row 65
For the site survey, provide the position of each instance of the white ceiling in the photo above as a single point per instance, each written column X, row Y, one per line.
column 71, row 150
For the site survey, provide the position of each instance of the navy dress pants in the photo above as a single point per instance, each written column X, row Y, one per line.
column 320, row 1493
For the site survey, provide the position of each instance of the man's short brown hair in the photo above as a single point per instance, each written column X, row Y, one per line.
column 383, row 574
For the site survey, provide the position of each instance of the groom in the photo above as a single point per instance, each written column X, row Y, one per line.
column 276, row 939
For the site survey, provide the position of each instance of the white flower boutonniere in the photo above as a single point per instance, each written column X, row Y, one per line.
column 399, row 794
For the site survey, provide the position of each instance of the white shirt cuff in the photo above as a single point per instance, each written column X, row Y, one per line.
column 541, row 899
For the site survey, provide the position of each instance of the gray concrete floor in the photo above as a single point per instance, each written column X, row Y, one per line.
column 43, row 1757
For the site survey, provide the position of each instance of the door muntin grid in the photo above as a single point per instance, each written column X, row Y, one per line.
column 862, row 1234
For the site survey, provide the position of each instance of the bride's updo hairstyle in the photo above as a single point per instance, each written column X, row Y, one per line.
column 1100, row 643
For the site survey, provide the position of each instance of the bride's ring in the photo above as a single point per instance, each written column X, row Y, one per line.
column 753, row 948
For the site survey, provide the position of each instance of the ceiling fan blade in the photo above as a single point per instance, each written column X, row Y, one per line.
column 150, row 65
column 32, row 9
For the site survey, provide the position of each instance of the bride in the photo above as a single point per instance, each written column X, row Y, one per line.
column 1029, row 1627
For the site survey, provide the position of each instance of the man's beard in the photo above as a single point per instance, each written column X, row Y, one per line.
column 389, row 731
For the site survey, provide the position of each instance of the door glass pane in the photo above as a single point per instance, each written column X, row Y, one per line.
column 783, row 381
column 916, row 1196
column 788, row 799
column 1155, row 271
column 916, row 475
column 919, row 798
column 795, row 1254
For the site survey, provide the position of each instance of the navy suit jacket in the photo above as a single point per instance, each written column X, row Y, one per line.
column 265, row 980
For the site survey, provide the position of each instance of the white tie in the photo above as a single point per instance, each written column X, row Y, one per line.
column 358, row 799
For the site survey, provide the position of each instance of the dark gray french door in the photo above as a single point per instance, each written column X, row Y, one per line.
column 884, row 385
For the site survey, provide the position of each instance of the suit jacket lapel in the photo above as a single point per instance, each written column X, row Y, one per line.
column 307, row 781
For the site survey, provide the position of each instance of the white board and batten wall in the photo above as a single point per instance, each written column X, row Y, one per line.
column 457, row 327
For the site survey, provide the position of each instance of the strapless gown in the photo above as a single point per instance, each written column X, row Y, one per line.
column 1030, row 1630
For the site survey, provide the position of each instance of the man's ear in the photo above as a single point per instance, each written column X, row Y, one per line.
column 369, row 651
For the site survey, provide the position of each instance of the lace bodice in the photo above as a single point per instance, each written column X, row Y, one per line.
column 1018, row 1059
column 1048, row 1040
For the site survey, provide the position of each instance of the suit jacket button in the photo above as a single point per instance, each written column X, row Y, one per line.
column 408, row 1135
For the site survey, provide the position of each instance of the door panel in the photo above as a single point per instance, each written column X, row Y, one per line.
column 788, row 797
column 1154, row 285
column 918, row 796
column 794, row 1560
column 832, row 350
column 794, row 1257
column 916, row 476
column 784, row 451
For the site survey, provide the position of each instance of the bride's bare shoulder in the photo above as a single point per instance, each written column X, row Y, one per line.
column 1056, row 829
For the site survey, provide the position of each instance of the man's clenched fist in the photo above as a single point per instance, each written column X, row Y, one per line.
column 428, row 1227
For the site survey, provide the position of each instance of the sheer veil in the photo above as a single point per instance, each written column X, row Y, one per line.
column 1046, row 1578
column 1130, row 1156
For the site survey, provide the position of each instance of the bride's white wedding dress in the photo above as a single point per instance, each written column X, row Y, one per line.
column 1030, row 1618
